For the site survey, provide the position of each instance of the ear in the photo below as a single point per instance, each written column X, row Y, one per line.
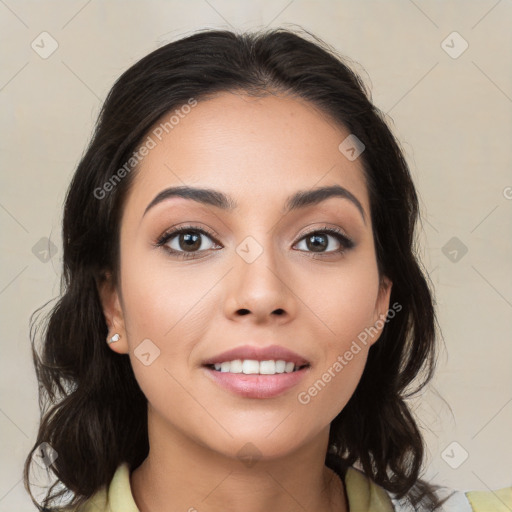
column 381, row 308
column 112, row 309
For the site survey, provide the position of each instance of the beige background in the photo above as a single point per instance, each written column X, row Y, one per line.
column 452, row 116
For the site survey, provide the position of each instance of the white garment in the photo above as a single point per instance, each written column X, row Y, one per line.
column 457, row 502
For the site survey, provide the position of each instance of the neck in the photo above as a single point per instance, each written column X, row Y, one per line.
column 180, row 474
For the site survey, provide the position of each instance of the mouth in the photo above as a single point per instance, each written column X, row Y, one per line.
column 256, row 379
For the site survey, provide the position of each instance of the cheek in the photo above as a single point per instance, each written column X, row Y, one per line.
column 161, row 298
column 170, row 306
column 344, row 301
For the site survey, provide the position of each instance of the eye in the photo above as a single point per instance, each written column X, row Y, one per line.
column 189, row 242
column 186, row 242
column 318, row 241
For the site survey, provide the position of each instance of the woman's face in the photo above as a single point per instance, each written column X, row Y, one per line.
column 257, row 278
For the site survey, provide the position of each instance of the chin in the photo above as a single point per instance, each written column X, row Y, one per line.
column 251, row 448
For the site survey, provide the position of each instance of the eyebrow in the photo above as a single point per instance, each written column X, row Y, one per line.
column 300, row 199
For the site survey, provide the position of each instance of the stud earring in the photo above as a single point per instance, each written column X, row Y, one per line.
column 114, row 338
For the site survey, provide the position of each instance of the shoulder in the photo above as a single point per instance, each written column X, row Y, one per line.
column 463, row 501
column 456, row 501
column 365, row 495
column 499, row 500
column 116, row 497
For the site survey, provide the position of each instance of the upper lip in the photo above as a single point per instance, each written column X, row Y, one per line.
column 256, row 353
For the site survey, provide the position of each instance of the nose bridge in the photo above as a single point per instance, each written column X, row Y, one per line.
column 259, row 281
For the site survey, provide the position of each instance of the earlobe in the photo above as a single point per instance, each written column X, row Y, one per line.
column 113, row 313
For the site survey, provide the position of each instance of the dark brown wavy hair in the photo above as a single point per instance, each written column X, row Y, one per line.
column 93, row 412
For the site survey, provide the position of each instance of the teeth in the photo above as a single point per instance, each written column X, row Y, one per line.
column 251, row 366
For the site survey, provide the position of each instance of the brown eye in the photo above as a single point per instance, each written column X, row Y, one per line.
column 319, row 242
column 189, row 241
column 186, row 242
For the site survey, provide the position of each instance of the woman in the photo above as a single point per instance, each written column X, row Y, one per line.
column 243, row 312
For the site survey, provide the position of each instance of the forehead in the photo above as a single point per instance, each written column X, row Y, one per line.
column 252, row 148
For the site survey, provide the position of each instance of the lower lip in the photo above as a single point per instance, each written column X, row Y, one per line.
column 257, row 386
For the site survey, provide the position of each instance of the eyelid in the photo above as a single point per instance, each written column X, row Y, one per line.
column 173, row 231
column 335, row 230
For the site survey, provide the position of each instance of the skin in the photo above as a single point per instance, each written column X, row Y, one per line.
column 259, row 151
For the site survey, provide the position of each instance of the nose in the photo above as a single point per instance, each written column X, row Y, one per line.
column 260, row 291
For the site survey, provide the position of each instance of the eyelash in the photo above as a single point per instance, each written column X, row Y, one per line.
column 345, row 242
